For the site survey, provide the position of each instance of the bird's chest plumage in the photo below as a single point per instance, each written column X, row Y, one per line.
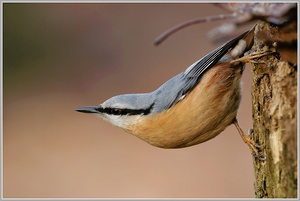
column 205, row 112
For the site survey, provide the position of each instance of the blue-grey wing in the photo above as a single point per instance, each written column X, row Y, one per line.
column 179, row 86
column 194, row 73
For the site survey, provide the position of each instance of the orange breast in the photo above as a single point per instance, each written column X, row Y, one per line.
column 205, row 112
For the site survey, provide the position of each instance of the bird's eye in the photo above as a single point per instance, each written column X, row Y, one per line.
column 116, row 111
column 113, row 111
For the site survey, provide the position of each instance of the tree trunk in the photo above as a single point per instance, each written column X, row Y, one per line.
column 274, row 109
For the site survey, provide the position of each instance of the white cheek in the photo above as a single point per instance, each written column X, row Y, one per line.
column 120, row 121
column 116, row 120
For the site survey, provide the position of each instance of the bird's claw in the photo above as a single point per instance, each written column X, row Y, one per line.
column 250, row 58
column 259, row 156
column 256, row 148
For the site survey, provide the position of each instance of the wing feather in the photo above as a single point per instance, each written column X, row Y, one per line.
column 179, row 86
column 193, row 74
column 198, row 68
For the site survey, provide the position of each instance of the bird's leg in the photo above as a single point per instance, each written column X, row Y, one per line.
column 255, row 148
column 249, row 58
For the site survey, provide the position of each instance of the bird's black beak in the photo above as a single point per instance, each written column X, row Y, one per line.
column 88, row 109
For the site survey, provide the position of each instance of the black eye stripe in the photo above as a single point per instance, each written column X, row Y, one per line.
column 119, row 111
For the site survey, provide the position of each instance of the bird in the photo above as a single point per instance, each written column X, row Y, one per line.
column 190, row 108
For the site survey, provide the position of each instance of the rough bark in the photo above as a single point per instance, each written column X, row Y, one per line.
column 274, row 106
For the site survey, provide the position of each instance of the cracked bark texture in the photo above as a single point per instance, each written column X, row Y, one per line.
column 274, row 109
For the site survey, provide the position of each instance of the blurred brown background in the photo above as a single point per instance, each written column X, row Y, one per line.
column 61, row 56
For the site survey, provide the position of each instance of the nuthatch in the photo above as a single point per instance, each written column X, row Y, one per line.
column 190, row 108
